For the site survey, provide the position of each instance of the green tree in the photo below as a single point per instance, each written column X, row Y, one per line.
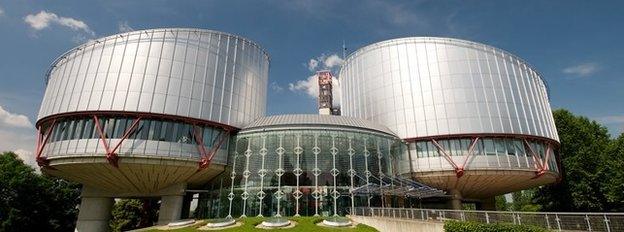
column 501, row 203
column 126, row 215
column 583, row 153
column 613, row 187
column 34, row 202
column 523, row 201
column 129, row 214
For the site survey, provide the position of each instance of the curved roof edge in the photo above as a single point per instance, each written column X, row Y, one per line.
column 315, row 120
column 443, row 39
column 98, row 40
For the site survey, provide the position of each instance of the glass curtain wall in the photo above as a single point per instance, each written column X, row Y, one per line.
column 147, row 129
column 300, row 172
column 488, row 152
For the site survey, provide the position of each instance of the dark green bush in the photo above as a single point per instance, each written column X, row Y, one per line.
column 469, row 226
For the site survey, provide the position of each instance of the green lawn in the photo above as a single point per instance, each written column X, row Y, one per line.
column 303, row 224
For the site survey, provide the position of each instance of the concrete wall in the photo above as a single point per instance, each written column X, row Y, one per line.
column 394, row 224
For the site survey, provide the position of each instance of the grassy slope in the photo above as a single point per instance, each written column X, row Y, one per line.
column 303, row 224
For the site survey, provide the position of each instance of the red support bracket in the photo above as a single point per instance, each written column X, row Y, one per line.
column 540, row 168
column 42, row 141
column 459, row 169
column 111, row 154
column 447, row 157
column 206, row 157
column 469, row 154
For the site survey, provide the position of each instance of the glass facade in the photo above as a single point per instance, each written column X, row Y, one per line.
column 160, row 137
column 488, row 153
column 300, row 172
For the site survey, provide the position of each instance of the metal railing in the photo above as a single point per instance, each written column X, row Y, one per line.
column 559, row 221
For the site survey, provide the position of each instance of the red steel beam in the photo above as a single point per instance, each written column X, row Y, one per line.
column 459, row 169
column 42, row 141
column 206, row 157
column 470, row 153
column 444, row 154
column 199, row 139
column 111, row 154
column 539, row 167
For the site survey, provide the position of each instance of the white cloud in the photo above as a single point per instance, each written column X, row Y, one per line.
column 8, row 119
column 611, row 119
column 276, row 87
column 28, row 157
column 582, row 70
column 21, row 141
column 124, row 27
column 17, row 134
column 312, row 64
column 44, row 19
column 1, row 11
column 333, row 61
column 309, row 86
column 615, row 123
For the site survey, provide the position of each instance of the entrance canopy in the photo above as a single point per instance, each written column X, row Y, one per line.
column 396, row 186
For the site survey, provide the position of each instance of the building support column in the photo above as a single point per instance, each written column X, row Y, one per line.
column 455, row 201
column 95, row 211
column 171, row 204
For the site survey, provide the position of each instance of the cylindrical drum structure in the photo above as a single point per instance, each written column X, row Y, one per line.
column 477, row 118
column 136, row 112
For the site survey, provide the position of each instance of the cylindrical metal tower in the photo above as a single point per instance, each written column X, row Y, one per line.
column 135, row 113
column 477, row 119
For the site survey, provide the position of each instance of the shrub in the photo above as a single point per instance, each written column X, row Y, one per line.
column 469, row 226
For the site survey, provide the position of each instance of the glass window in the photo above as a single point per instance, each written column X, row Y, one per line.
column 57, row 131
column 500, row 147
column 87, row 133
column 79, row 128
column 489, row 147
column 511, row 148
column 155, row 130
column 120, row 127
column 208, row 136
column 109, row 127
column 144, row 129
column 184, row 133
column 175, row 134
column 69, row 130
column 164, row 128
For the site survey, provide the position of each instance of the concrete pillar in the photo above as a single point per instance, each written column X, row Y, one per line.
column 171, row 204
column 170, row 209
column 455, row 201
column 95, row 211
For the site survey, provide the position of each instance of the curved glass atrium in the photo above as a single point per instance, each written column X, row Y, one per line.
column 302, row 171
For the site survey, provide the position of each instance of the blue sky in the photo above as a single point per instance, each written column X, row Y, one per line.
column 576, row 45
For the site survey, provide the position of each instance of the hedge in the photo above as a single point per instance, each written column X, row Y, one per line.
column 469, row 226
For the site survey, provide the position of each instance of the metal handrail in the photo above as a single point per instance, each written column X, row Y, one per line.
column 559, row 221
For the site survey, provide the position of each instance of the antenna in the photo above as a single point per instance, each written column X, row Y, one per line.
column 344, row 50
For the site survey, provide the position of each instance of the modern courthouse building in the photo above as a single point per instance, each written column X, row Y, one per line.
column 176, row 113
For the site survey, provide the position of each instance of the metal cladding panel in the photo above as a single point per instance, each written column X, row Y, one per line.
column 194, row 73
column 421, row 87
